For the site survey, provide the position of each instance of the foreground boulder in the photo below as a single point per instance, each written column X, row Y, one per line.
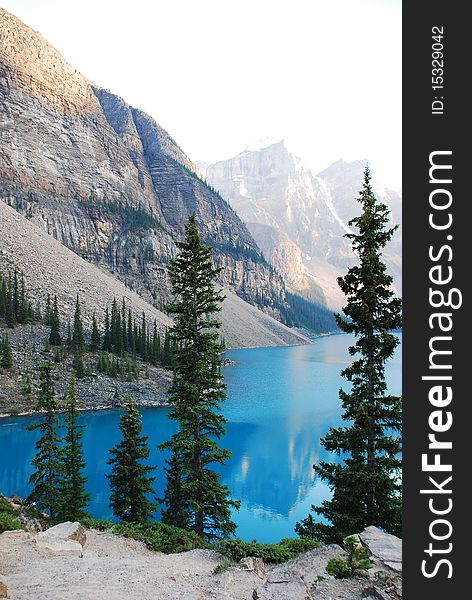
column 383, row 548
column 65, row 537
column 305, row 577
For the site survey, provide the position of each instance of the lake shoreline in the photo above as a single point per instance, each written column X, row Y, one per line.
column 162, row 404
column 38, row 413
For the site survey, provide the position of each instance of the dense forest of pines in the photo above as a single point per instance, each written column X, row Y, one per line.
column 117, row 341
column 15, row 306
column 300, row 312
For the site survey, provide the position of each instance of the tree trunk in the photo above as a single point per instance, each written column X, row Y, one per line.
column 371, row 443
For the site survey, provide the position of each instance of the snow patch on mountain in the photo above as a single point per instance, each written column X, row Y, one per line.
column 328, row 199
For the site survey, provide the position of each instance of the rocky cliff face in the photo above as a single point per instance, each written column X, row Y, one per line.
column 299, row 219
column 105, row 179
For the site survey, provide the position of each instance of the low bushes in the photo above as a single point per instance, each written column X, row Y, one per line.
column 9, row 520
column 171, row 540
column 157, row 536
column 356, row 563
column 286, row 549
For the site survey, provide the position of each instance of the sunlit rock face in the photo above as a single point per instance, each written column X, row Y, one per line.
column 105, row 179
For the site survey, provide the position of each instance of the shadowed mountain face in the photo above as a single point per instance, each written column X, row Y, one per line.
column 299, row 219
column 105, row 179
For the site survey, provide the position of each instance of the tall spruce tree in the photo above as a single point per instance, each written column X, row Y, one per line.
column 6, row 355
column 55, row 333
column 22, row 314
column 197, row 390
column 106, row 344
column 130, row 482
column 366, row 486
column 177, row 512
column 47, row 311
column 166, row 356
column 10, row 316
column 72, row 498
column 3, row 296
column 78, row 342
column 46, row 463
column 130, row 331
column 95, row 340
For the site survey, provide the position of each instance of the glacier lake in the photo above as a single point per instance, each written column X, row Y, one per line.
column 281, row 401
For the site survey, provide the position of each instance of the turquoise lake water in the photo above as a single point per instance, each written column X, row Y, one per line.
column 281, row 401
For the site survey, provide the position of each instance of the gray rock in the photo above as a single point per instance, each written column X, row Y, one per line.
column 64, row 538
column 383, row 548
column 253, row 564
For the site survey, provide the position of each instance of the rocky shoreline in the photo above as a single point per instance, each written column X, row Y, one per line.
column 96, row 391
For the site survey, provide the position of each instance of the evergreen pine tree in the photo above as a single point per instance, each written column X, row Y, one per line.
column 37, row 312
column 197, row 389
column 366, row 487
column 69, row 336
column 78, row 342
column 116, row 337
column 10, row 317
column 143, row 338
column 130, row 331
column 166, row 357
column 6, row 355
column 177, row 512
column 95, row 340
column 30, row 313
column 106, row 332
column 46, row 462
column 72, row 498
column 130, row 482
column 155, row 345
column 26, row 387
column 16, row 295
column 3, row 296
column 124, row 336
column 47, row 311
column 57, row 355
column 55, row 334
column 22, row 315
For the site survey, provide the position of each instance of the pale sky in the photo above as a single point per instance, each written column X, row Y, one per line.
column 218, row 74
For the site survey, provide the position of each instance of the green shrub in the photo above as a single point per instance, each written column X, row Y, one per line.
column 171, row 540
column 356, row 563
column 157, row 536
column 161, row 537
column 338, row 568
column 286, row 549
column 99, row 524
column 9, row 520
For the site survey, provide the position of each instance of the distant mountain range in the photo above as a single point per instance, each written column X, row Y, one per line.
column 299, row 219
